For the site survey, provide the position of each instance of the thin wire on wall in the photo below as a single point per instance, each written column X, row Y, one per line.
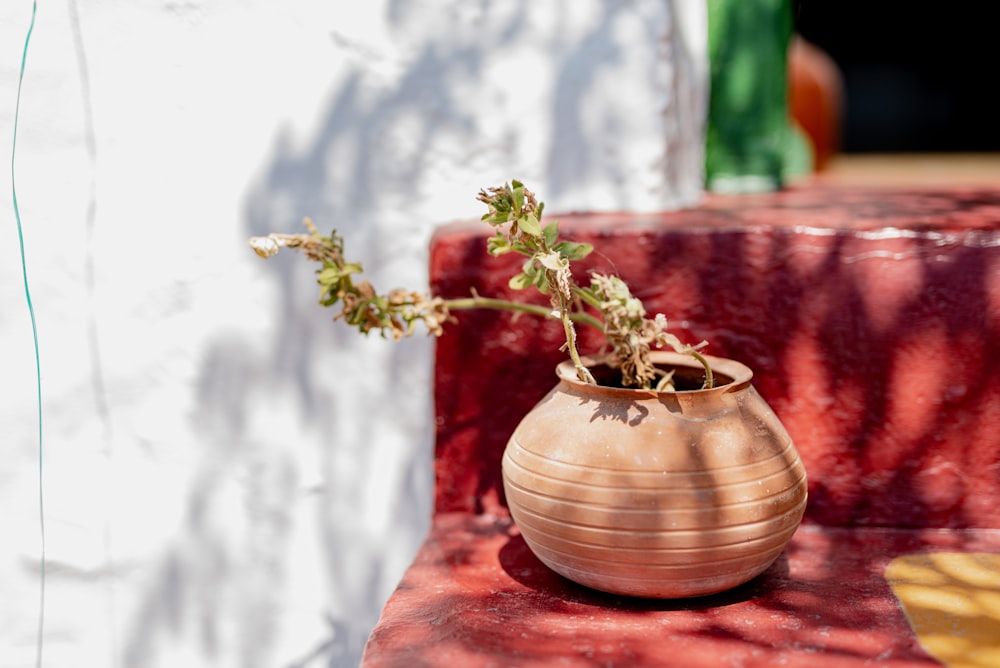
column 34, row 333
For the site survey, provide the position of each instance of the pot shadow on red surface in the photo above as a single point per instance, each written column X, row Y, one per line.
column 824, row 602
column 521, row 564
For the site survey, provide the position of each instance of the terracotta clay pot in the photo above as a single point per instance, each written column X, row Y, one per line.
column 655, row 494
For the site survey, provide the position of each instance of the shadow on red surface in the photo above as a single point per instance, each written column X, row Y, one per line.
column 521, row 565
column 871, row 319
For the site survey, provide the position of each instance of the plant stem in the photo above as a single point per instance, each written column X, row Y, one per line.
column 466, row 303
column 588, row 297
column 709, row 378
column 581, row 371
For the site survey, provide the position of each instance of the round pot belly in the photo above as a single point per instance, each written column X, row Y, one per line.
column 655, row 494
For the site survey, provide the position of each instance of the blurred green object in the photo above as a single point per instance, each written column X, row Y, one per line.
column 750, row 143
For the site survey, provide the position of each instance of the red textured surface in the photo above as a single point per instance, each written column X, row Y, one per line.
column 476, row 598
column 871, row 319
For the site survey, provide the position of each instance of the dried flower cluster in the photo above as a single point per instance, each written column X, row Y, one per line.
column 631, row 335
column 394, row 314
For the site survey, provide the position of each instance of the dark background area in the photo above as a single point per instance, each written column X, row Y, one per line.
column 918, row 76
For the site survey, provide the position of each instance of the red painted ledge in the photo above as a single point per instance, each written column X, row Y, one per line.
column 871, row 318
column 476, row 597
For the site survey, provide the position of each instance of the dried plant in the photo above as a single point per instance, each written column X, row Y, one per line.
column 516, row 216
column 394, row 314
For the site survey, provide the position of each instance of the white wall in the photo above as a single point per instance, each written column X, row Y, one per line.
column 229, row 479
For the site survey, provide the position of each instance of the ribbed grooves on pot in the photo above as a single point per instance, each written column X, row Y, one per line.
column 615, row 546
column 655, row 571
column 671, row 494
column 642, row 477
column 692, row 534
column 654, row 536
column 686, row 501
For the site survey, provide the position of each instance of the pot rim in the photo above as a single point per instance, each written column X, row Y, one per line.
column 740, row 373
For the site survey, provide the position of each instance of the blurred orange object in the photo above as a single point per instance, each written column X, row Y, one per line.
column 816, row 98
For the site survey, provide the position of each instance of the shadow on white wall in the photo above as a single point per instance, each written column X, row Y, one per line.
column 312, row 487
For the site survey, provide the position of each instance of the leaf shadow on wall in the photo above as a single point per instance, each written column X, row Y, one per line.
column 355, row 173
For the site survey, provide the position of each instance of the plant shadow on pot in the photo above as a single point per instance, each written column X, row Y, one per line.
column 520, row 563
column 685, row 379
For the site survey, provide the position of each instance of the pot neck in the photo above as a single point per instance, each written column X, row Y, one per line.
column 731, row 376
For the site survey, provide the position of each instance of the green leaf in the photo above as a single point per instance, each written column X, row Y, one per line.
column 542, row 283
column 498, row 245
column 529, row 225
column 523, row 248
column 329, row 276
column 551, row 234
column 496, row 218
column 518, row 194
column 328, row 297
column 520, row 282
column 574, row 251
